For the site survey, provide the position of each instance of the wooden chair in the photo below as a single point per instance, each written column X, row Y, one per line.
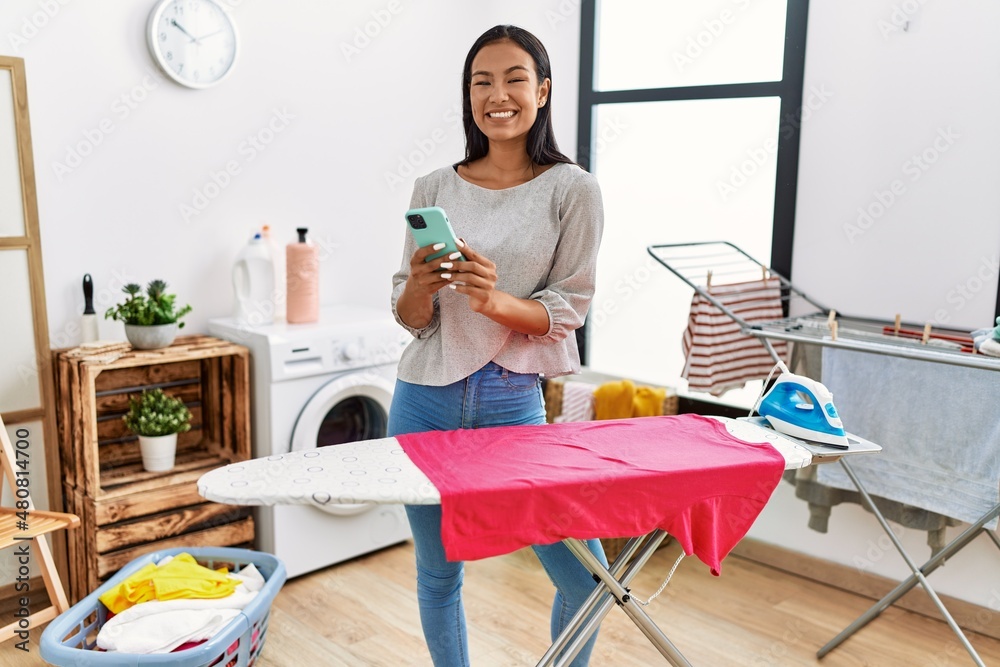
column 14, row 535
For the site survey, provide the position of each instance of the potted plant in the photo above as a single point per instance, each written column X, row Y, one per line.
column 157, row 419
column 151, row 319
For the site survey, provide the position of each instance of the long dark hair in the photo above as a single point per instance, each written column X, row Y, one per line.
column 542, row 147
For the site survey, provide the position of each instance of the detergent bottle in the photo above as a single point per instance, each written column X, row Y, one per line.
column 253, row 283
column 280, row 277
column 302, row 265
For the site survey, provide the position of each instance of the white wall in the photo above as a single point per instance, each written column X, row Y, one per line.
column 909, row 136
column 890, row 93
column 347, row 119
column 346, row 122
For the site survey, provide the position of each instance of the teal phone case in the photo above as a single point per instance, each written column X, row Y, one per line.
column 436, row 229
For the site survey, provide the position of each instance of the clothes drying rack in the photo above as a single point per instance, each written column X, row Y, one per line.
column 700, row 264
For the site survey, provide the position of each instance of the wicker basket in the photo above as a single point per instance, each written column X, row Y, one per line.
column 553, row 394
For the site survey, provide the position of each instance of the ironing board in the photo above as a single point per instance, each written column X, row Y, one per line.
column 809, row 322
column 379, row 471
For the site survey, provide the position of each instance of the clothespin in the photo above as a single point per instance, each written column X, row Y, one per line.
column 832, row 319
column 763, row 273
column 833, row 330
column 897, row 324
column 927, row 333
column 708, row 279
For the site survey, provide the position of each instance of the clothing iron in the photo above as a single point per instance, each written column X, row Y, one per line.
column 798, row 406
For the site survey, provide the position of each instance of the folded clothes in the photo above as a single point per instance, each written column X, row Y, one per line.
column 648, row 401
column 621, row 399
column 613, row 400
column 164, row 631
column 162, row 626
column 990, row 347
column 577, row 402
column 170, row 579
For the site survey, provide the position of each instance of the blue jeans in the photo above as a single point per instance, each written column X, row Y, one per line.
column 492, row 396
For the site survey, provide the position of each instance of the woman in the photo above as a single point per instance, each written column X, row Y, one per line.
column 530, row 223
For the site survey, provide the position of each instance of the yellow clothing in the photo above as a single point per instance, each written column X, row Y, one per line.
column 613, row 400
column 622, row 399
column 648, row 401
column 181, row 578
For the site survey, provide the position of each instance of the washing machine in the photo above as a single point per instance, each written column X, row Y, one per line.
column 315, row 385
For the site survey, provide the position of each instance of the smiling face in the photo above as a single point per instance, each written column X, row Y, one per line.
column 505, row 92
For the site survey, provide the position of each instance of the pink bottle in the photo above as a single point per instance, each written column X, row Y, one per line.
column 302, row 265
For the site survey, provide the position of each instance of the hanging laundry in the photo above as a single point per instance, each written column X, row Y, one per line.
column 719, row 357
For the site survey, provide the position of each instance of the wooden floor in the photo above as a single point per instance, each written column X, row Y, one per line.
column 364, row 613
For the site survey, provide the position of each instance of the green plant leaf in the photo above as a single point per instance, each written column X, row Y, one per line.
column 153, row 308
column 156, row 413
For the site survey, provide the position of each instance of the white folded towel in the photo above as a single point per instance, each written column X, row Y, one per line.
column 990, row 347
column 160, row 626
column 164, row 631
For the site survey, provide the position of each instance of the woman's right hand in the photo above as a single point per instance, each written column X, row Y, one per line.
column 425, row 277
column 415, row 305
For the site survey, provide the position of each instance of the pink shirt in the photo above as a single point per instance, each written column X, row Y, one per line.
column 508, row 487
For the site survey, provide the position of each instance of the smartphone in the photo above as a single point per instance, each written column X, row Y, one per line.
column 430, row 226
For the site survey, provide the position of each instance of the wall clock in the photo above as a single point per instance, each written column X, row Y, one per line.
column 193, row 41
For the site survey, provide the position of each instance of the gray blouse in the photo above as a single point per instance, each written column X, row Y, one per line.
column 543, row 236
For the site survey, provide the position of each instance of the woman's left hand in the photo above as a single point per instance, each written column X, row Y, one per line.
column 476, row 278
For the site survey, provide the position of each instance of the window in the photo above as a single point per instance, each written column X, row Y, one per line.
column 689, row 119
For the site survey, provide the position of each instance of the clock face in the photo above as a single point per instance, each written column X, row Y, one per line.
column 193, row 41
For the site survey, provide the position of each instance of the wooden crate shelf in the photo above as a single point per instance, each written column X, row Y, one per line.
column 100, row 456
column 116, row 531
column 126, row 510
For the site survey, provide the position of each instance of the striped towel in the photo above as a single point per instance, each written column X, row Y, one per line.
column 577, row 402
column 719, row 357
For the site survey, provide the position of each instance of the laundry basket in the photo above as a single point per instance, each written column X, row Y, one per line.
column 69, row 640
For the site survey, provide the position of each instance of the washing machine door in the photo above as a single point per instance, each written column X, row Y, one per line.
column 347, row 409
